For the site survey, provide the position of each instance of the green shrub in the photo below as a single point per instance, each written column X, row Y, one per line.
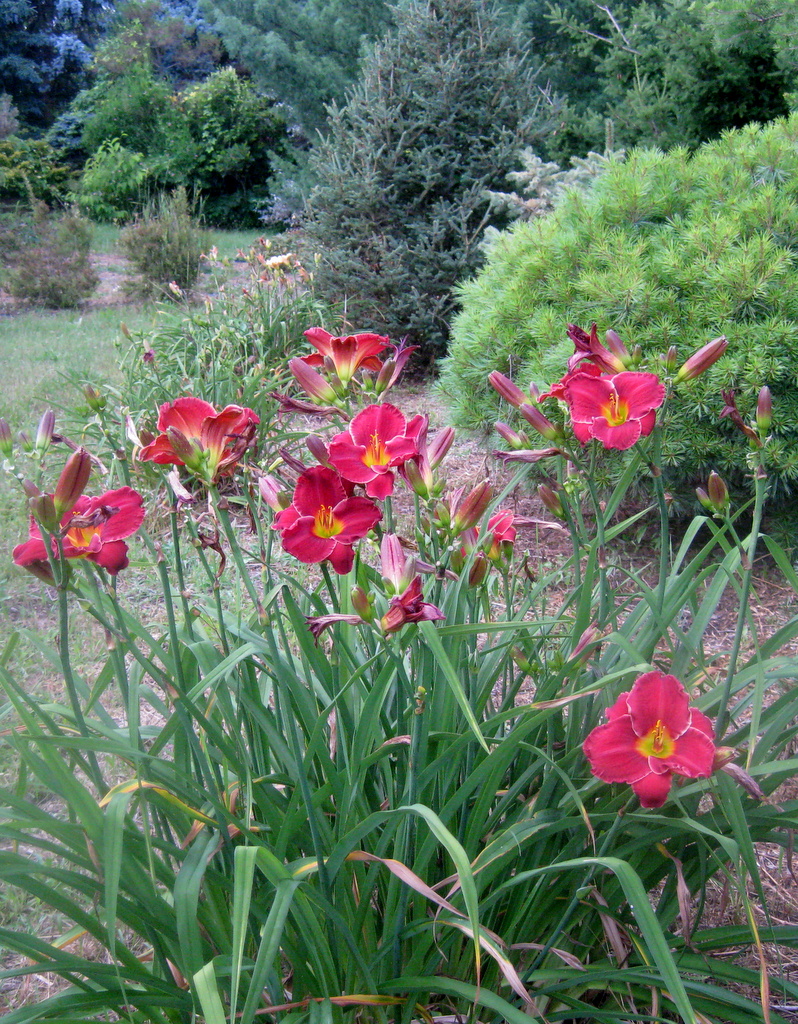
column 51, row 266
column 164, row 244
column 112, row 183
column 667, row 249
column 31, row 165
column 443, row 107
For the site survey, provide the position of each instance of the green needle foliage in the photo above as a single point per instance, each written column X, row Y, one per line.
column 443, row 106
column 668, row 249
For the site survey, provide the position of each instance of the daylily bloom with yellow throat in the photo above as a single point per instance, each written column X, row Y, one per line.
column 379, row 439
column 93, row 528
column 651, row 735
column 617, row 410
column 322, row 523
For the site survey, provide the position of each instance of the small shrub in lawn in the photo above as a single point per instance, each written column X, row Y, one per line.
column 165, row 244
column 667, row 249
column 360, row 766
column 32, row 165
column 51, row 267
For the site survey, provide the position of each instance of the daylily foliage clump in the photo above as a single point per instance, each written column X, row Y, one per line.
column 373, row 754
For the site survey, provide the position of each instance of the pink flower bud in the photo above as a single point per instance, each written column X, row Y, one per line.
column 701, row 360
column 72, row 482
column 44, row 433
column 363, row 604
column 275, row 496
column 551, row 500
column 616, row 346
column 311, row 382
column 718, row 492
column 764, row 410
column 541, row 423
column 509, row 391
column 189, row 453
column 318, row 449
column 670, row 358
column 512, row 437
column 439, row 447
column 472, row 508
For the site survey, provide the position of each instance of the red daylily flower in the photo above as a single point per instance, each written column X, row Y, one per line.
column 322, row 523
column 195, row 435
column 617, row 410
column 94, row 529
column 347, row 353
column 652, row 734
column 378, row 439
column 558, row 390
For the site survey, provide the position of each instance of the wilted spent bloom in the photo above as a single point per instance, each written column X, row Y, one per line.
column 409, row 607
column 731, row 411
column 701, row 360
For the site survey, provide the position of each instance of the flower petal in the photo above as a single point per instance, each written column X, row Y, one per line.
column 653, row 789
column 610, row 749
column 186, row 415
column 128, row 517
column 358, row 515
column 656, row 697
column 385, row 420
column 342, row 558
column 694, row 754
column 641, row 391
column 317, row 486
column 618, row 436
column 300, row 541
column 112, row 556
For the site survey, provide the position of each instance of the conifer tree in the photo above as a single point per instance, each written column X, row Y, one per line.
column 303, row 52
column 443, row 106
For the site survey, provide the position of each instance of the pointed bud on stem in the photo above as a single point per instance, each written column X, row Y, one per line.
column 72, row 482
column 701, row 360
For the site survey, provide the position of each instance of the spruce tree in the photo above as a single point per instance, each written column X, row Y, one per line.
column 443, row 106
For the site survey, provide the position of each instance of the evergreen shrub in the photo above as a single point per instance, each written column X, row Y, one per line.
column 165, row 244
column 666, row 249
column 442, row 108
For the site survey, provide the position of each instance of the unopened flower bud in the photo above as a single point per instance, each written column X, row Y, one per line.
column 44, row 432
column 509, row 391
column 616, row 346
column 43, row 511
column 187, row 451
column 541, row 423
column 764, row 410
column 670, row 358
column 311, row 382
column 275, row 496
column 718, row 492
column 94, row 399
column 512, row 437
column 6, row 441
column 701, row 360
column 318, row 449
column 439, row 447
column 72, row 482
column 472, row 508
column 363, row 604
column 723, row 756
column 479, row 570
column 30, row 489
column 551, row 500
column 25, row 441
column 636, row 357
